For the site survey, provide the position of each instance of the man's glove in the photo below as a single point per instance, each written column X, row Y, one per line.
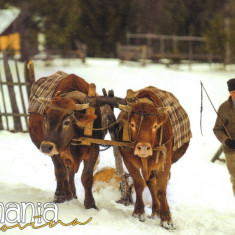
column 230, row 143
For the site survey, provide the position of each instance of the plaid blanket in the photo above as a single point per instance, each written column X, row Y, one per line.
column 44, row 87
column 178, row 117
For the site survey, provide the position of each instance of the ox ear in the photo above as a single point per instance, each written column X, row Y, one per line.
column 84, row 119
column 163, row 109
column 125, row 108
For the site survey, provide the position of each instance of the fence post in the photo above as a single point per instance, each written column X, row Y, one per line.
column 26, row 76
column 21, row 94
column 144, row 55
column 4, row 103
column 17, row 119
column 162, row 47
column 31, row 73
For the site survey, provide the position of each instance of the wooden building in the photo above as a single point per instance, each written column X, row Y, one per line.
column 15, row 36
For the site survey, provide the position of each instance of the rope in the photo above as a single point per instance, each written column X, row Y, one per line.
column 201, row 108
column 226, row 130
column 138, row 133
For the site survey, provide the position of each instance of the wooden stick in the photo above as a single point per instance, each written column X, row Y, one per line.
column 217, row 154
column 105, row 142
column 14, row 114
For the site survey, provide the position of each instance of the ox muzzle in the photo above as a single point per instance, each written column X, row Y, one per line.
column 49, row 148
column 143, row 150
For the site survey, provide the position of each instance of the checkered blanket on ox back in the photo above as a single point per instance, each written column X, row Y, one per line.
column 44, row 87
column 178, row 117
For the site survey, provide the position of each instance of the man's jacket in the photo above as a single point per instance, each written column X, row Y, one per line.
column 227, row 113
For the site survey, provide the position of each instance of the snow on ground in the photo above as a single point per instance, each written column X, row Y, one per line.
column 199, row 192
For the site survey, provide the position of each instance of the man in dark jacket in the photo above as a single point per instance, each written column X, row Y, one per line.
column 224, row 130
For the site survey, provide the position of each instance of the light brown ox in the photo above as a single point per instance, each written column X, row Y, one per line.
column 142, row 162
column 53, row 132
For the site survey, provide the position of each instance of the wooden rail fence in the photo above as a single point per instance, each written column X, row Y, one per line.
column 14, row 93
column 157, row 47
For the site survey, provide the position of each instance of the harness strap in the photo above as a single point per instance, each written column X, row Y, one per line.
column 138, row 133
column 160, row 144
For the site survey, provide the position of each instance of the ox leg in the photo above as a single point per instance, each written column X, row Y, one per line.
column 161, row 184
column 61, row 178
column 87, row 177
column 72, row 183
column 151, row 183
column 70, row 189
column 139, row 188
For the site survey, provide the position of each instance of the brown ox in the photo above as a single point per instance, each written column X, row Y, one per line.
column 146, row 162
column 52, row 134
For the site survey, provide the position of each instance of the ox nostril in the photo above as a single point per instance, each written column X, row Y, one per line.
column 139, row 148
column 148, row 148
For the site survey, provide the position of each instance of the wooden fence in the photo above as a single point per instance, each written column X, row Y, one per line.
column 15, row 84
column 131, row 52
column 171, row 47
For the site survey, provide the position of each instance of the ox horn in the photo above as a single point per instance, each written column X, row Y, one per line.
column 125, row 108
column 164, row 109
column 76, row 95
column 82, row 106
column 80, row 97
column 130, row 94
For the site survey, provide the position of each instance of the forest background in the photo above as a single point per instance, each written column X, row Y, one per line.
column 101, row 24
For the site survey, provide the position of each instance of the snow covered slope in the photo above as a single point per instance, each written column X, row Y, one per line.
column 199, row 192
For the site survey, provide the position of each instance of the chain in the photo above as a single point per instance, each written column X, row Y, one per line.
column 105, row 147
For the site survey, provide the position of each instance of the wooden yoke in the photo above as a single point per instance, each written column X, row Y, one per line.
column 90, row 110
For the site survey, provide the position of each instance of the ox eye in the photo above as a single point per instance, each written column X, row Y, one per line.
column 132, row 125
column 155, row 126
column 66, row 123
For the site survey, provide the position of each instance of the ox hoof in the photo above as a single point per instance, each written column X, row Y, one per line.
column 59, row 197
column 154, row 215
column 125, row 202
column 141, row 217
column 59, row 200
column 69, row 197
column 90, row 205
column 167, row 225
